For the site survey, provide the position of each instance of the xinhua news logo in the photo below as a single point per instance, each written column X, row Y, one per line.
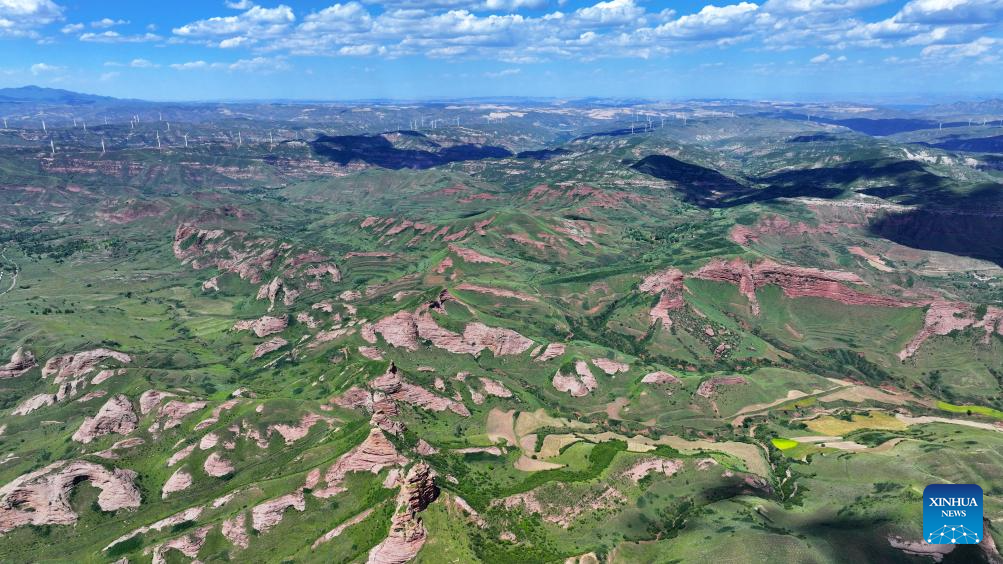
column 952, row 514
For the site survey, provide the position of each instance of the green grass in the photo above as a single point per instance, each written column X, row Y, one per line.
column 784, row 444
column 970, row 409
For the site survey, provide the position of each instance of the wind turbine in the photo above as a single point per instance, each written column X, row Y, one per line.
column 52, row 144
column 168, row 126
column 240, row 140
column 5, row 123
column 102, row 145
column 186, row 140
column 85, row 126
column 43, row 126
column 158, row 139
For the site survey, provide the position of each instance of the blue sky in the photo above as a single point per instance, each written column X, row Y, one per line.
column 241, row 49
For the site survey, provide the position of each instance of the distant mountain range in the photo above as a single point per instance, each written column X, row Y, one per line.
column 40, row 95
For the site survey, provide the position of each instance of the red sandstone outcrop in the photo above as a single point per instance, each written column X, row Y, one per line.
column 795, row 281
column 668, row 286
column 105, row 375
column 399, row 330
column 216, row 412
column 495, row 388
column 354, row 398
column 943, row 318
column 271, row 345
column 407, row 533
column 150, row 399
column 472, row 256
column 372, row 455
column 33, row 403
column 293, row 433
column 779, row 226
column 642, row 468
column 609, row 366
column 175, row 411
column 180, row 455
column 234, row 530
column 500, row 292
column 393, row 384
column 263, row 326
column 20, row 362
column 936, row 552
column 577, row 385
column 266, row 515
column 189, row 545
column 336, row 532
column 115, row 416
column 111, row 452
column 552, row 351
column 190, row 514
column 372, row 353
column 179, row 481
column 660, row 378
column 217, row 466
column 42, row 497
column 709, row 386
column 78, row 364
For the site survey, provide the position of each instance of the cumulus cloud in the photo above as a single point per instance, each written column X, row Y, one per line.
column 21, row 18
column 107, row 22
column 713, row 22
column 819, row 59
column 116, row 37
column 503, row 73
column 255, row 21
column 952, row 11
column 984, row 48
column 44, row 68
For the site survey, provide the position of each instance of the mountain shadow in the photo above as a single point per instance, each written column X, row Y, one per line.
column 378, row 151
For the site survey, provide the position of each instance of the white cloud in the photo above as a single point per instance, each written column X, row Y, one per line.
column 43, row 68
column 110, row 75
column 240, row 5
column 816, row 6
column 982, row 48
column 105, row 23
column 116, row 37
column 143, row 64
column 255, row 21
column 503, row 73
column 819, row 59
column 264, row 65
column 712, row 22
column 194, row 65
column 72, row 28
column 952, row 11
column 21, row 18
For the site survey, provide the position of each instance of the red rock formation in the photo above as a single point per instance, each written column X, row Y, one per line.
column 180, row 455
column 668, row 286
column 354, row 398
column 336, row 532
column 407, row 533
column 42, row 497
column 217, row 466
column 20, row 362
column 472, row 256
column 234, row 530
column 372, row 455
column 577, row 385
column 105, row 375
column 552, row 351
column 500, row 292
column 779, row 226
column 709, row 386
column 266, row 515
column 292, row 433
column 190, row 514
column 942, row 318
column 179, row 481
column 33, row 403
column 263, row 326
column 216, row 412
column 495, row 388
column 115, row 416
column 189, row 545
column 796, row 282
column 399, row 330
column 150, row 399
column 609, row 366
column 372, row 353
column 642, row 468
column 660, row 378
column 175, row 411
column 271, row 345
column 78, row 364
